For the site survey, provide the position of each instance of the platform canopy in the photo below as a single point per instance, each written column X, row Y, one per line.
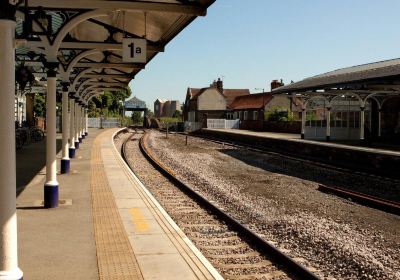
column 135, row 104
column 85, row 38
column 379, row 81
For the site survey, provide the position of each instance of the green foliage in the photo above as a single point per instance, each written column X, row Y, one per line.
column 126, row 121
column 39, row 105
column 169, row 120
column 150, row 114
column 177, row 114
column 279, row 114
column 311, row 116
column 137, row 118
column 110, row 102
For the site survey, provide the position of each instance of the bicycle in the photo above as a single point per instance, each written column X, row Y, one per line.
column 36, row 134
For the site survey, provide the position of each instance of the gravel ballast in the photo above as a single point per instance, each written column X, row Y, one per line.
column 279, row 199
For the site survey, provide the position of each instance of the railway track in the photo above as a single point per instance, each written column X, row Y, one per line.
column 259, row 149
column 372, row 201
column 368, row 200
column 236, row 251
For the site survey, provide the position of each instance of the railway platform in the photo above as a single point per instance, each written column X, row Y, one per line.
column 381, row 162
column 108, row 226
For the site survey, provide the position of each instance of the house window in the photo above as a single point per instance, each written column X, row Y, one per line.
column 255, row 115
column 240, row 115
column 245, row 115
column 157, row 107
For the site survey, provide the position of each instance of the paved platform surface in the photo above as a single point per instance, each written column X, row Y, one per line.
column 296, row 137
column 109, row 227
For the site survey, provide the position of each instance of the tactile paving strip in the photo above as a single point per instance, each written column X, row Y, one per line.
column 115, row 257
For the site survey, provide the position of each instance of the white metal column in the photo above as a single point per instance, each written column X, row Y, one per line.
column 86, row 122
column 82, row 122
column 79, row 122
column 72, row 127
column 51, row 185
column 76, row 125
column 65, row 162
column 362, row 122
column 328, row 124
column 303, row 122
column 379, row 122
column 8, row 214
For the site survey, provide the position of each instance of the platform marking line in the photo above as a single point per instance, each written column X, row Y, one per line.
column 141, row 225
column 115, row 256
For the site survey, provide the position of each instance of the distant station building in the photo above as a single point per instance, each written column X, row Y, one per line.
column 251, row 109
column 211, row 102
column 166, row 108
column 359, row 102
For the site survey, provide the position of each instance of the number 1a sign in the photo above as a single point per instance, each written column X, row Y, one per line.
column 134, row 50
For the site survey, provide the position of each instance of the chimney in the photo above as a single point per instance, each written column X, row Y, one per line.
column 220, row 85
column 275, row 84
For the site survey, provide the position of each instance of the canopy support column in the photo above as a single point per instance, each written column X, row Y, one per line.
column 82, row 122
column 303, row 122
column 72, row 127
column 79, row 122
column 86, row 121
column 362, row 123
column 328, row 124
column 65, row 162
column 76, row 125
column 8, row 214
column 51, row 185
column 380, row 122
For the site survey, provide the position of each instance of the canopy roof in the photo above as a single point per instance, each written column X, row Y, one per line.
column 251, row 101
column 383, row 72
column 379, row 81
column 135, row 103
column 85, row 37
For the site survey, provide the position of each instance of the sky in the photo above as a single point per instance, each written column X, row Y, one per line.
column 248, row 43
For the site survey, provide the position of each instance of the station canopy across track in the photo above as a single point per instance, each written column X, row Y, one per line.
column 370, row 93
column 80, row 48
column 86, row 38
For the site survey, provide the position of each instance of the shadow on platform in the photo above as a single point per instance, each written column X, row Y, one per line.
column 29, row 161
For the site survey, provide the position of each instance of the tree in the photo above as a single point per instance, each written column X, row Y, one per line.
column 111, row 102
column 39, row 105
column 150, row 114
column 137, row 117
column 279, row 114
column 177, row 114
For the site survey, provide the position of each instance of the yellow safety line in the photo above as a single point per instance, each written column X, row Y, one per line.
column 141, row 225
column 115, row 257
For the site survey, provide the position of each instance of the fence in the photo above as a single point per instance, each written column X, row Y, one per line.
column 222, row 123
column 192, row 126
column 107, row 123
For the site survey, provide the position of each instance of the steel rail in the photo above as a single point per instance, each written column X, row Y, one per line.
column 259, row 149
column 367, row 200
column 293, row 268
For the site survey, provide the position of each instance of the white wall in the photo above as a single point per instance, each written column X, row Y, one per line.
column 211, row 99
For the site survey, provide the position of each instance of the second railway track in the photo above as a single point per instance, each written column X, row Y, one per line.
column 236, row 251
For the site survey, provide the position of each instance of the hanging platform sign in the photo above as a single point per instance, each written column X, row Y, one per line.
column 134, row 50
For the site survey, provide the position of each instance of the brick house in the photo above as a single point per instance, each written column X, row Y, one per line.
column 212, row 102
column 251, row 109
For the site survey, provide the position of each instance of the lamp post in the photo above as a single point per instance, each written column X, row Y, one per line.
column 122, row 112
column 101, row 118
